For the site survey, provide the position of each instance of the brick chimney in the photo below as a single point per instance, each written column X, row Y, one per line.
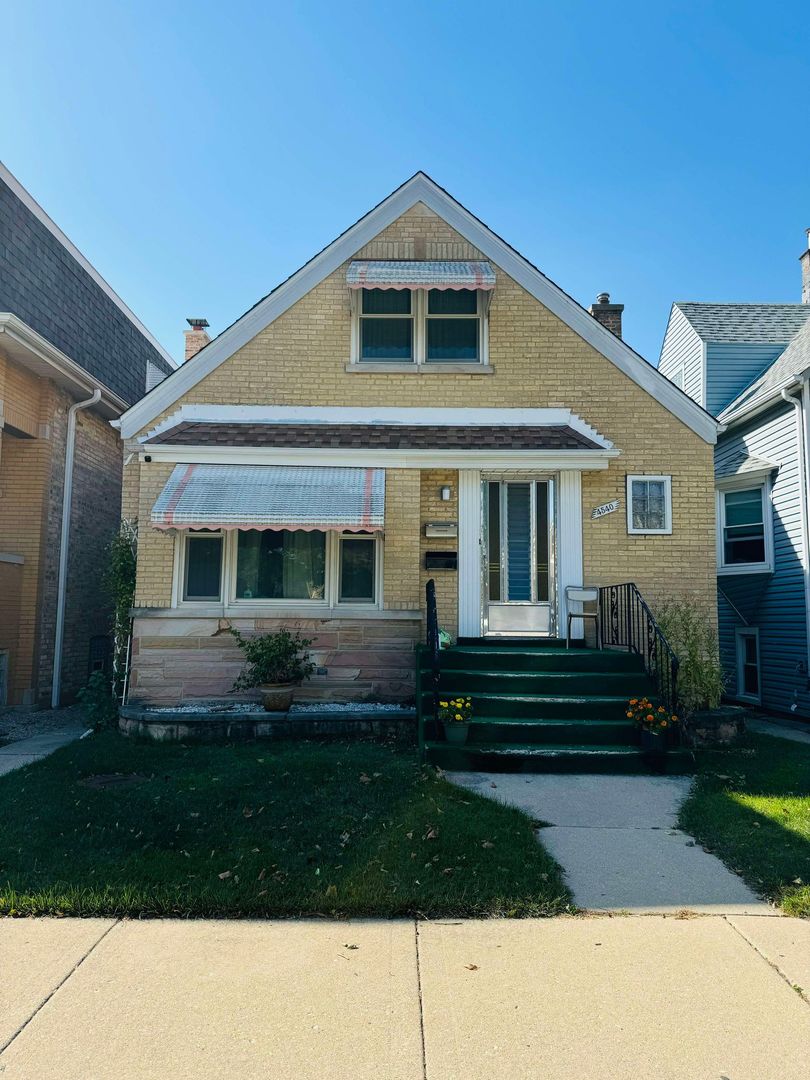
column 609, row 315
column 196, row 338
column 804, row 258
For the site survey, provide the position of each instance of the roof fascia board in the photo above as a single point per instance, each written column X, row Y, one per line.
column 372, row 458
column 65, row 371
column 31, row 204
column 421, row 189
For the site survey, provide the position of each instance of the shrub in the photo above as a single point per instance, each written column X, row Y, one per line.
column 700, row 678
column 98, row 701
column 119, row 583
column 273, row 658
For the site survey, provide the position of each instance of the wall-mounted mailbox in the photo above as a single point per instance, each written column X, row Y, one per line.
column 441, row 529
column 441, row 560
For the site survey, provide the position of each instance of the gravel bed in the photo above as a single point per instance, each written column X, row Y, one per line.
column 16, row 724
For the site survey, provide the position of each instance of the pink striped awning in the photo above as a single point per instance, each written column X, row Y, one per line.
column 271, row 497
column 376, row 274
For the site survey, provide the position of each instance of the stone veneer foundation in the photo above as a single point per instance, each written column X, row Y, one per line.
column 178, row 660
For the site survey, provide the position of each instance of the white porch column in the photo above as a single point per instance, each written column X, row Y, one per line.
column 470, row 534
column 569, row 544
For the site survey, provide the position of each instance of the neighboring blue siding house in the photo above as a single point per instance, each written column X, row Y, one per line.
column 749, row 365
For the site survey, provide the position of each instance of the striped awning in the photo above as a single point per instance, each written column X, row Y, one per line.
column 271, row 497
column 375, row 274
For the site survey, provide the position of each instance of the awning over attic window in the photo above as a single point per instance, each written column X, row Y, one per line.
column 375, row 274
column 271, row 497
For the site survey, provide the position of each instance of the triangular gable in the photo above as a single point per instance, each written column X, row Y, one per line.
column 419, row 189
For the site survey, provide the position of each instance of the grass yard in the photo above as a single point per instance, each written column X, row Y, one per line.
column 275, row 829
column 751, row 807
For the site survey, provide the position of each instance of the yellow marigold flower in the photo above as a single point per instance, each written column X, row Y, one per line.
column 674, row 719
column 458, row 716
column 630, row 715
column 443, row 704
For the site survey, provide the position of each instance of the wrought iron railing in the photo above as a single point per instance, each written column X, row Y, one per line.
column 427, row 658
column 626, row 621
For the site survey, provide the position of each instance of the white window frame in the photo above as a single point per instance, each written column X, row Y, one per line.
column 667, row 530
column 181, row 564
column 740, row 634
column 419, row 316
column 227, row 594
column 742, row 484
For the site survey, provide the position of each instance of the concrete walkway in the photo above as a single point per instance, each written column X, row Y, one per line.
column 23, row 752
column 616, row 839
column 557, row 999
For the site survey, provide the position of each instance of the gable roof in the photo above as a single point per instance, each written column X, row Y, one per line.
column 792, row 362
column 419, row 189
column 760, row 324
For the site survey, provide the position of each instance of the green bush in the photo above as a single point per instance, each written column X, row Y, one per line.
column 98, row 701
column 273, row 658
column 119, row 584
column 700, row 678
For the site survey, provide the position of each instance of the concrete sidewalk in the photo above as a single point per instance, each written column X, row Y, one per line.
column 25, row 751
column 556, row 999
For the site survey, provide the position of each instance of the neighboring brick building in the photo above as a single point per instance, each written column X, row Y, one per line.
column 313, row 465
column 64, row 334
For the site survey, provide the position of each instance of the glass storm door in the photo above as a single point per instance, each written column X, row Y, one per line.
column 519, row 587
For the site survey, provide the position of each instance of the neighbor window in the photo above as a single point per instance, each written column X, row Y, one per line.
column 742, row 523
column 283, row 565
column 386, row 326
column 202, row 575
column 417, row 326
column 649, row 504
column 748, row 673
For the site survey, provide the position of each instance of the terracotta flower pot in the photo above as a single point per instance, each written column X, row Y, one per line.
column 277, row 697
column 456, row 731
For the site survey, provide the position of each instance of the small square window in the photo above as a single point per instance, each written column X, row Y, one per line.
column 649, row 504
column 203, row 567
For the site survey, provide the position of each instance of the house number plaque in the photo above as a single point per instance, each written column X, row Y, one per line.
column 605, row 508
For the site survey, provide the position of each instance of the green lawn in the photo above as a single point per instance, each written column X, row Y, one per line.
column 751, row 806
column 287, row 828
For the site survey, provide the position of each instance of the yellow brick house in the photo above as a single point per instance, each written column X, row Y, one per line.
column 417, row 402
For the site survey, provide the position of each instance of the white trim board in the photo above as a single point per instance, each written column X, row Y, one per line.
column 419, row 189
column 385, row 415
column 31, row 204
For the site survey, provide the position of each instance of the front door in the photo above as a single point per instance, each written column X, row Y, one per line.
column 519, row 584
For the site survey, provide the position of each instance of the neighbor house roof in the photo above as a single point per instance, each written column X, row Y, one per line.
column 745, row 323
column 793, row 361
column 419, row 189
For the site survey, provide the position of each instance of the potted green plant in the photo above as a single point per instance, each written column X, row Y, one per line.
column 654, row 723
column 276, row 664
column 455, row 714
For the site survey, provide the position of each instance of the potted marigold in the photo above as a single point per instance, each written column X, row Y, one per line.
column 654, row 723
column 276, row 664
column 455, row 715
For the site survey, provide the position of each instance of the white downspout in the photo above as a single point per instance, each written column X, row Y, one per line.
column 64, row 544
column 802, row 408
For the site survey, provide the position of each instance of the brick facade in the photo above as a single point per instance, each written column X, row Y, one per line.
column 537, row 361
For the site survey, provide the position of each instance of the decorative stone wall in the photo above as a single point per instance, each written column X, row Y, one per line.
column 180, row 660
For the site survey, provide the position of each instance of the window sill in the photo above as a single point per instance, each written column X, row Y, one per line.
column 230, row 611
column 420, row 369
column 744, row 568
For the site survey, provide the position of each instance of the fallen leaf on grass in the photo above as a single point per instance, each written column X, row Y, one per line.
column 224, row 874
column 364, row 778
column 487, row 844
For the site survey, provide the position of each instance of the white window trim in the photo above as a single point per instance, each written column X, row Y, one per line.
column 229, row 601
column 740, row 633
column 419, row 316
column 765, row 567
column 667, row 530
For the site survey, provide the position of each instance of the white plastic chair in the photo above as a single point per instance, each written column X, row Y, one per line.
column 579, row 594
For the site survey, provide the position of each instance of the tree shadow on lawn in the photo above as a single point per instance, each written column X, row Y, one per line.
column 262, row 829
column 751, row 807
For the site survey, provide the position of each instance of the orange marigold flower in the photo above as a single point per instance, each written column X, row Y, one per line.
column 633, row 701
column 674, row 719
column 650, row 718
column 663, row 723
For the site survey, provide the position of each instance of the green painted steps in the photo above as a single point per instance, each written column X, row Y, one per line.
column 537, row 706
column 543, row 683
column 506, row 640
column 531, row 758
column 550, row 659
column 552, row 732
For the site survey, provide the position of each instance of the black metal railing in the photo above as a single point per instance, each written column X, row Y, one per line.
column 626, row 621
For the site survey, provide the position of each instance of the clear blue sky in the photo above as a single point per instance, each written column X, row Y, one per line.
column 197, row 153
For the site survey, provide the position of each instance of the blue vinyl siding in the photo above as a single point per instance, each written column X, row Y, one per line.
column 683, row 349
column 775, row 603
column 731, row 368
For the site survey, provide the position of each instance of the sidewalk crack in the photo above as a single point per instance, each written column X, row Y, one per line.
column 58, row 986
column 800, row 991
column 419, row 994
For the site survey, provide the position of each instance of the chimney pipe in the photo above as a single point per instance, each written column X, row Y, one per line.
column 196, row 338
column 804, row 258
column 609, row 315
